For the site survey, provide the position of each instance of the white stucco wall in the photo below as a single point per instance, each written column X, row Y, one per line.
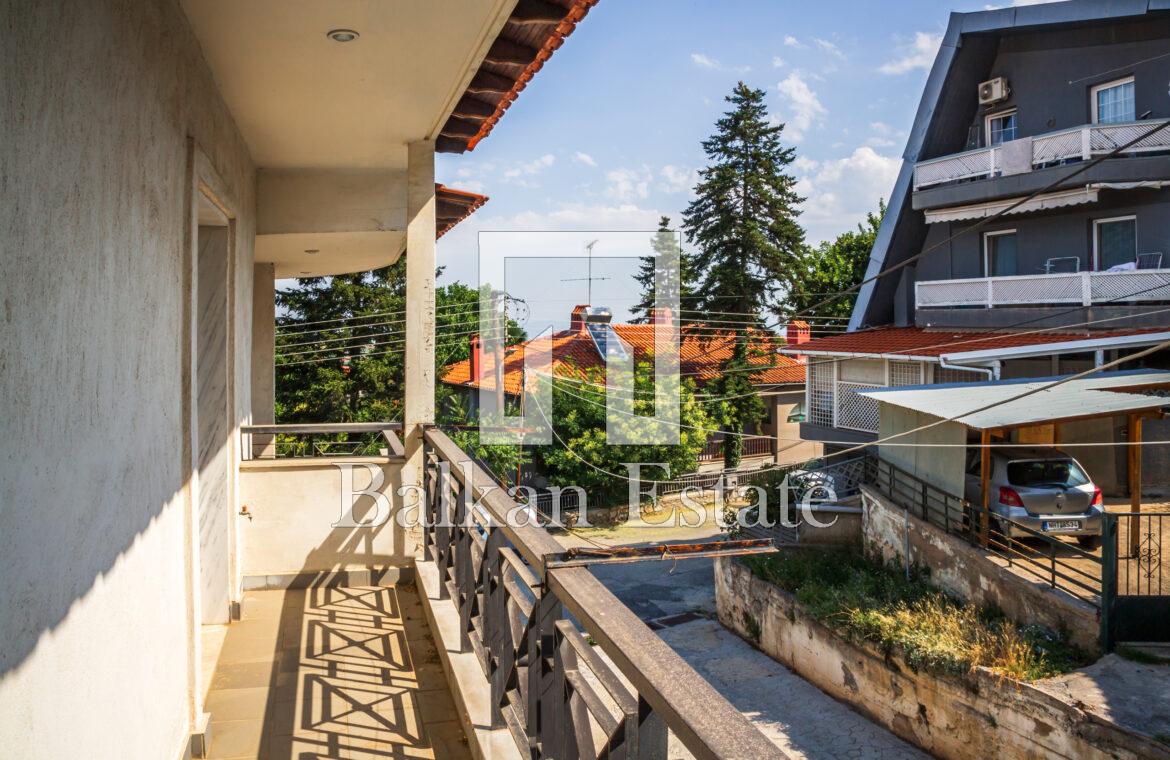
column 936, row 455
column 295, row 503
column 98, row 101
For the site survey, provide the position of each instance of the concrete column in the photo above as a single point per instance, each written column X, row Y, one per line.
column 420, row 305
column 263, row 356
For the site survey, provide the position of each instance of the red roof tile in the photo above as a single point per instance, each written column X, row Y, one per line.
column 916, row 341
column 574, row 354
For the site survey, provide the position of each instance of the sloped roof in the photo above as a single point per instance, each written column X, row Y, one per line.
column 919, row 342
column 452, row 206
column 574, row 354
column 532, row 33
column 1100, row 395
column 902, row 228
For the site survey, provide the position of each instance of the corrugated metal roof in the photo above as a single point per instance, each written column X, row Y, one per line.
column 1103, row 394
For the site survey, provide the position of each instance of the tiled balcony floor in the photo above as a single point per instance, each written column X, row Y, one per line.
column 332, row 673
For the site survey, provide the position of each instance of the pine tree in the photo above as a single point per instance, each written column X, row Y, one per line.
column 664, row 243
column 743, row 225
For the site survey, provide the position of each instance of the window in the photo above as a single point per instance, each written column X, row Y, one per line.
column 1115, row 242
column 1001, row 128
column 999, row 251
column 1113, row 102
column 1046, row 472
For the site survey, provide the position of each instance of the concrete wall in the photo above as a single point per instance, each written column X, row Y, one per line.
column 968, row 573
column 970, row 717
column 938, row 456
column 100, row 98
column 294, row 503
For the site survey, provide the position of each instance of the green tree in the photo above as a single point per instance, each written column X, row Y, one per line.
column 581, row 456
column 743, row 224
column 679, row 282
column 832, row 267
column 355, row 322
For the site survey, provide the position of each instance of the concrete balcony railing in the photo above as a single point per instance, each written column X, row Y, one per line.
column 1076, row 144
column 1081, row 288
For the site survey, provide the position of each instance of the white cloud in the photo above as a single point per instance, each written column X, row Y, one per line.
column 517, row 174
column 829, row 48
column 707, row 62
column 840, row 192
column 628, row 184
column 882, row 135
column 584, row 158
column 677, row 179
column 778, row 62
column 792, row 42
column 801, row 105
column 919, row 54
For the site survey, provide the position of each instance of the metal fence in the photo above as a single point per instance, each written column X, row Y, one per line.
column 553, row 692
column 321, row 440
column 1058, row 563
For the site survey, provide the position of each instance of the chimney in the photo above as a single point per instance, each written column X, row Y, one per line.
column 577, row 318
column 476, row 345
column 662, row 316
column 797, row 333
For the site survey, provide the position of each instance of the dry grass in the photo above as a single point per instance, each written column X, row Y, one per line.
column 868, row 601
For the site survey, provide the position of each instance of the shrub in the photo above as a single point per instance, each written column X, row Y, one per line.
column 868, row 601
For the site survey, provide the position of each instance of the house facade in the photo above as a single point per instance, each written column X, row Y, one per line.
column 1026, row 232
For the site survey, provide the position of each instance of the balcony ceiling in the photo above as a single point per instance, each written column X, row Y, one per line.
column 302, row 100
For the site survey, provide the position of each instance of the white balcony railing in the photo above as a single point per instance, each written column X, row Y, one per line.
column 1076, row 144
column 1084, row 288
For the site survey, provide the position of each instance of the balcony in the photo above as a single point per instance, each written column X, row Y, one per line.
column 462, row 634
column 1077, row 144
column 1075, row 288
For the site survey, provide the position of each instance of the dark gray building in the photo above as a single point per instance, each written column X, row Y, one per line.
column 1028, row 233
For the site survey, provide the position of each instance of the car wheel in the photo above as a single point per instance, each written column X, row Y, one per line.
column 1089, row 543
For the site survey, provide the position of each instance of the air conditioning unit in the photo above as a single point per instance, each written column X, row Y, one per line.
column 994, row 91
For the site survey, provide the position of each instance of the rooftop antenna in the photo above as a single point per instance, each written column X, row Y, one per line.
column 590, row 278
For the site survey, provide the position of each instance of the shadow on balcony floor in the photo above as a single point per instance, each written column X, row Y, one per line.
column 332, row 673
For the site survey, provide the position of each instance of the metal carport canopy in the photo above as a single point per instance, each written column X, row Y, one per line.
column 1100, row 395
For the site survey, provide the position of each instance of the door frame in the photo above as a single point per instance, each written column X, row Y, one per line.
column 203, row 181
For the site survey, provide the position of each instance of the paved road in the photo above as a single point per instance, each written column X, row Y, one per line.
column 798, row 717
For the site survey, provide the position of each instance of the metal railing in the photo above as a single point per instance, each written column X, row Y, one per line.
column 1058, row 563
column 1084, row 288
column 371, row 439
column 1077, row 144
column 1140, row 541
column 753, row 446
column 554, row 693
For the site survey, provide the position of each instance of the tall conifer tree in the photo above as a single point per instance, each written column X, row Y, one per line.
column 748, row 244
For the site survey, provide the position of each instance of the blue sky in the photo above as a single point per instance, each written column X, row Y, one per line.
column 607, row 136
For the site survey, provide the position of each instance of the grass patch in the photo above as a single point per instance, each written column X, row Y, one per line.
column 868, row 601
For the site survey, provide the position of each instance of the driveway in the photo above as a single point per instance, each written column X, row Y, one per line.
column 678, row 600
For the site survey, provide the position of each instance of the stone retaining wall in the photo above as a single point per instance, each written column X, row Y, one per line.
column 971, row 717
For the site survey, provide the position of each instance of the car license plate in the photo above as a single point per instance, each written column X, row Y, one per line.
column 1054, row 526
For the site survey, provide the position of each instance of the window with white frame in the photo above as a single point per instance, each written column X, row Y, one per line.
column 1114, row 242
column 1000, row 254
column 1000, row 128
column 1114, row 102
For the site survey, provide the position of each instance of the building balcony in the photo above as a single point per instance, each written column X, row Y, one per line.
column 1139, row 286
column 457, row 634
column 1031, row 154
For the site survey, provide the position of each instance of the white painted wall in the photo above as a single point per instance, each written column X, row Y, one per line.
column 939, row 455
column 101, row 98
column 294, row 504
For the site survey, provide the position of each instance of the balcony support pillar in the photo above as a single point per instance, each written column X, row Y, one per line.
column 263, row 357
column 419, row 409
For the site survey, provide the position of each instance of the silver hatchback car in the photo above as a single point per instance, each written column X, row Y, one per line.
column 1043, row 489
